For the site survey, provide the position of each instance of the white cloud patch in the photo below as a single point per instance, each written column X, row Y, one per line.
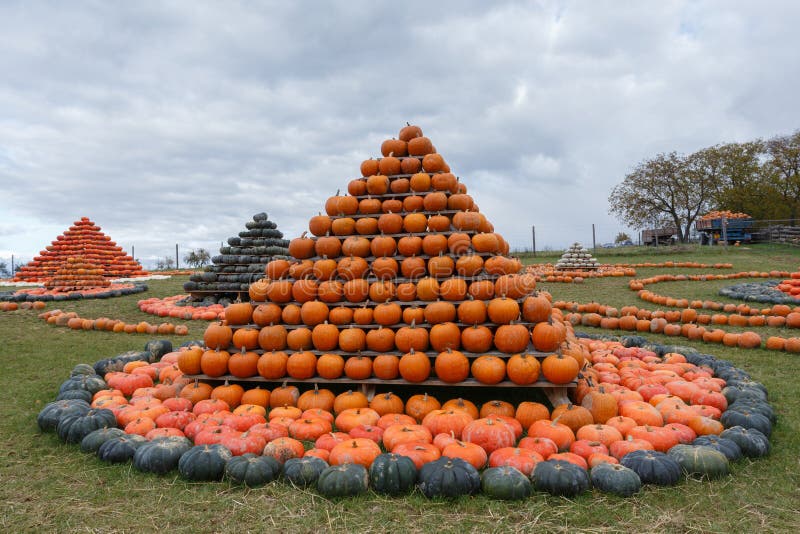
column 176, row 122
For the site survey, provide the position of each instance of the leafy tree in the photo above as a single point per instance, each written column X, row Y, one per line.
column 662, row 190
column 4, row 272
column 784, row 171
column 622, row 237
column 739, row 178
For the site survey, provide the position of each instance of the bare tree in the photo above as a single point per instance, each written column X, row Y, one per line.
column 197, row 258
column 203, row 257
column 190, row 259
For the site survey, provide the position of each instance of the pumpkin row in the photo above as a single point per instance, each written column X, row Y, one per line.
column 360, row 290
column 445, row 473
column 689, row 316
column 449, row 366
column 498, row 310
column 403, row 244
column 506, row 338
column 13, row 306
column 73, row 321
column 585, row 446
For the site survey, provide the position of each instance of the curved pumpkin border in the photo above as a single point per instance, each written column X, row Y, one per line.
column 734, row 376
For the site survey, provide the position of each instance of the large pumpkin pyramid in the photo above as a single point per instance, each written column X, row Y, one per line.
column 240, row 262
column 403, row 279
column 86, row 240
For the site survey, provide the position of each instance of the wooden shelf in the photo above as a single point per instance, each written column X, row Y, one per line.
column 470, row 382
column 400, row 213
column 430, row 353
column 403, row 234
column 400, row 257
column 389, row 195
column 400, row 280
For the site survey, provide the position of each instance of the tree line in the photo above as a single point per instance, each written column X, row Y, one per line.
column 760, row 178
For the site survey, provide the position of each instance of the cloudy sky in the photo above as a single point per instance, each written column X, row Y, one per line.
column 174, row 122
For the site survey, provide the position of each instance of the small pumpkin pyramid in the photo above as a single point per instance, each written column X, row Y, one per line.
column 86, row 240
column 405, row 272
column 240, row 262
column 577, row 258
column 77, row 274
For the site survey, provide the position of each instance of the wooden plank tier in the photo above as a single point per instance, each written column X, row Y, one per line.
column 470, row 382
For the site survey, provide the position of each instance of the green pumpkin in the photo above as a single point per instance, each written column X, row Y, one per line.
column 121, row 448
column 754, row 405
column 700, row 460
column 559, row 477
column 82, row 369
column 753, row 443
column 251, row 470
column 392, row 474
column 448, row 477
column 204, row 463
column 616, row 479
column 52, row 412
column 745, row 390
column 73, row 428
column 158, row 348
column 506, row 483
column 80, row 394
column 653, row 467
column 117, row 363
column 95, row 438
column 91, row 383
column 343, row 480
column 305, row 471
column 746, row 419
column 728, row 447
column 161, row 455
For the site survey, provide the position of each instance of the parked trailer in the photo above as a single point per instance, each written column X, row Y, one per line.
column 659, row 236
column 724, row 229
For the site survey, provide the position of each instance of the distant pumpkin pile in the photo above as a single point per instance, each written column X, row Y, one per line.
column 403, row 280
column 86, row 240
column 577, row 258
column 241, row 261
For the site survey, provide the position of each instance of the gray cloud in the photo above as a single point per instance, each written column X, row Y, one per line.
column 175, row 122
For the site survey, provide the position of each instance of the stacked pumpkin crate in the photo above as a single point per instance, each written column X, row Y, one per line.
column 240, row 262
column 402, row 282
column 77, row 274
column 85, row 239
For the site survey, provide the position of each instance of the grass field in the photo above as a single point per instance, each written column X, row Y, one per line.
column 47, row 486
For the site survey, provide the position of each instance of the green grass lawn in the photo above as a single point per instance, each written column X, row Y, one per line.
column 47, row 486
